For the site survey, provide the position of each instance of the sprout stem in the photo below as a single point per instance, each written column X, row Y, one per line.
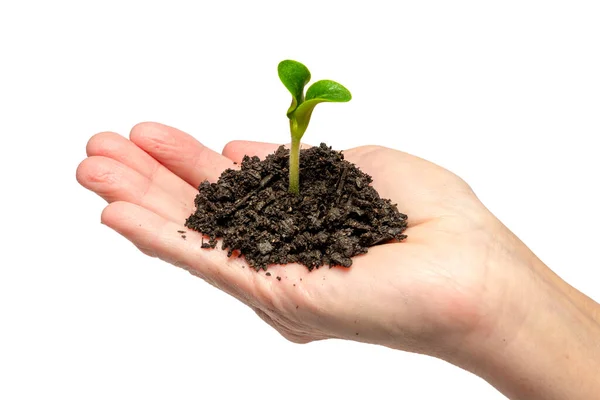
column 295, row 166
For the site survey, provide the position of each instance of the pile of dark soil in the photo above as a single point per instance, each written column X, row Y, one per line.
column 336, row 216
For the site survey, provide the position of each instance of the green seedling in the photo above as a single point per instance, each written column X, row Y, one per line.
column 295, row 76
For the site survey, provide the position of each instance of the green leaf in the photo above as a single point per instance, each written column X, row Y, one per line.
column 294, row 76
column 318, row 92
column 326, row 90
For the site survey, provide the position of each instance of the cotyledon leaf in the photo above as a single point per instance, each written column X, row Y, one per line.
column 327, row 90
column 294, row 76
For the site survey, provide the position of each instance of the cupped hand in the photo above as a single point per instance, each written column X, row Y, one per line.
column 430, row 293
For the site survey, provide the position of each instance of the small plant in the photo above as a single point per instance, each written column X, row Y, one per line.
column 295, row 76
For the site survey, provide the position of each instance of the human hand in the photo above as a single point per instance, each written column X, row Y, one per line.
column 460, row 279
column 393, row 282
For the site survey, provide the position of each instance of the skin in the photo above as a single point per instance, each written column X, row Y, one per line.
column 462, row 287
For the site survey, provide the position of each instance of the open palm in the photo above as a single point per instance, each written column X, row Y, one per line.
column 431, row 288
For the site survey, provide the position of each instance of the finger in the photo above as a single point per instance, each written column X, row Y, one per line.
column 162, row 238
column 237, row 149
column 115, row 146
column 114, row 181
column 180, row 152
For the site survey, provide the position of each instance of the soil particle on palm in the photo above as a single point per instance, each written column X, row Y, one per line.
column 336, row 216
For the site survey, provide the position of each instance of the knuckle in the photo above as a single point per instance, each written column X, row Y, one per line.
column 98, row 172
column 98, row 175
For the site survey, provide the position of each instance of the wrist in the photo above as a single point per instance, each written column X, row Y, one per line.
column 544, row 343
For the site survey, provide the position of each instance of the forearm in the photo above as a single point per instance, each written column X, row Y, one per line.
column 549, row 348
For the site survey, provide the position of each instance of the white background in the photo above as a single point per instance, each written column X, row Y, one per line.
column 505, row 94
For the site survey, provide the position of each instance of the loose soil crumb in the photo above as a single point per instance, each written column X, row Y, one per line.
column 336, row 216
